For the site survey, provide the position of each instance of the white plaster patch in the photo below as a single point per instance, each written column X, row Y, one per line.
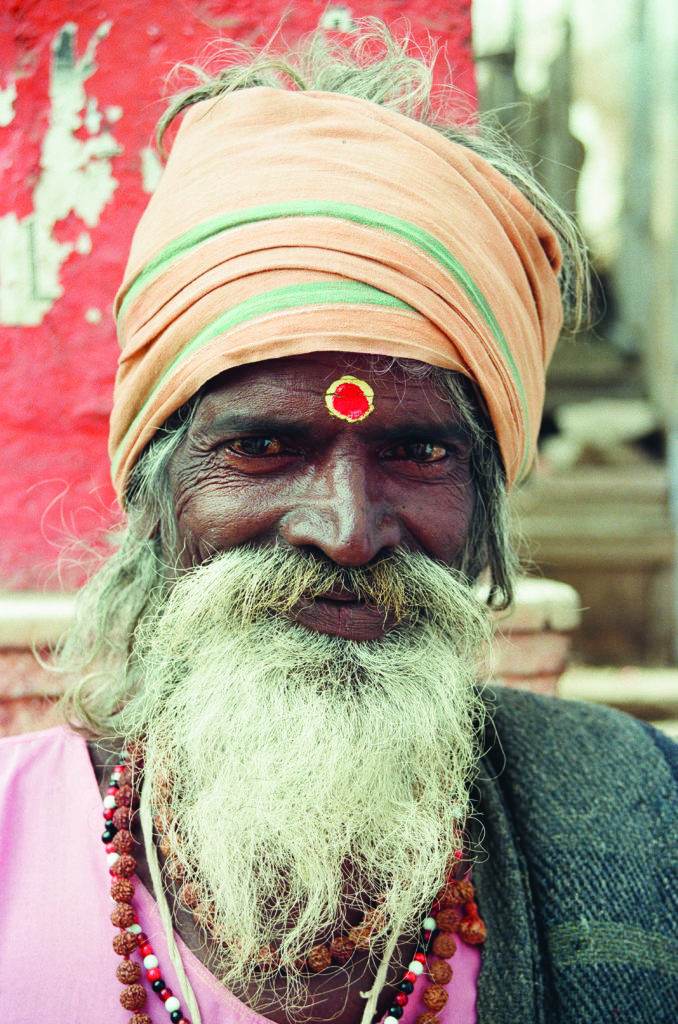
column 83, row 243
column 7, row 97
column 151, row 169
column 75, row 178
column 337, row 19
column 92, row 119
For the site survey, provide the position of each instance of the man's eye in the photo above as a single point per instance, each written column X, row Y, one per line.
column 256, row 446
column 419, row 451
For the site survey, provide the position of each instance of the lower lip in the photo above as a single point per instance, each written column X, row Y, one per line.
column 351, row 620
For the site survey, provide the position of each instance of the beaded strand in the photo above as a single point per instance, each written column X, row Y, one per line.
column 445, row 919
column 118, row 804
column 437, row 930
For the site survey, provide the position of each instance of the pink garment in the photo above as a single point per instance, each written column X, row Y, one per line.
column 57, row 964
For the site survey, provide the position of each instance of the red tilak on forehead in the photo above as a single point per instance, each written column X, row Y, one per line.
column 349, row 398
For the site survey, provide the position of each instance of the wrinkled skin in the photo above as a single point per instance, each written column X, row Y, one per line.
column 264, row 461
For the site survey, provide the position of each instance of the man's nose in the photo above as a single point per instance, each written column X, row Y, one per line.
column 342, row 514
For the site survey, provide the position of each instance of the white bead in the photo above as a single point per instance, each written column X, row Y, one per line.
column 172, row 1004
column 116, row 775
column 416, row 968
column 429, row 924
column 112, row 859
column 135, row 929
column 150, row 962
column 390, row 1020
column 110, row 803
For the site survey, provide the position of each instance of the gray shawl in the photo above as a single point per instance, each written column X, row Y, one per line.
column 576, row 820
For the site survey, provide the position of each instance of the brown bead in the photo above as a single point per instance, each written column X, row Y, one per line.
column 319, row 958
column 444, row 945
column 121, row 817
column 188, row 894
column 123, row 841
column 360, row 935
column 122, row 916
column 267, row 959
column 125, row 777
column 341, row 949
column 439, row 971
column 124, row 943
column 449, row 919
column 124, row 796
column 161, row 822
column 125, row 866
column 203, row 915
column 455, row 892
column 127, row 972
column 435, row 997
column 133, row 997
column 473, row 930
column 174, row 868
column 427, row 1018
column 134, row 752
column 122, row 891
column 374, row 919
column 165, row 846
column 140, row 1018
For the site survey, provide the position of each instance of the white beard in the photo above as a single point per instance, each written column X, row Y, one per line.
column 279, row 755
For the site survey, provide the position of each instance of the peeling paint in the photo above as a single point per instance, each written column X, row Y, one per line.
column 75, row 178
column 151, row 169
column 7, row 97
column 337, row 19
column 83, row 243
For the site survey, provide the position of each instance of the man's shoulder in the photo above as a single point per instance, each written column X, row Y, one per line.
column 553, row 724
column 35, row 753
column 577, row 754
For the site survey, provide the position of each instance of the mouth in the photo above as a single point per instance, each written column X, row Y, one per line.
column 342, row 613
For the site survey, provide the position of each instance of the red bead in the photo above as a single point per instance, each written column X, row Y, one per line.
column 165, row 993
column 118, row 767
column 146, row 949
column 471, row 908
column 427, row 935
column 421, row 957
column 109, row 848
column 153, row 974
column 401, row 999
column 111, row 791
column 410, row 976
column 142, row 939
column 108, row 813
column 458, row 854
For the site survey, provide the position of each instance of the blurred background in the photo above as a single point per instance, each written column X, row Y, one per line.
column 588, row 91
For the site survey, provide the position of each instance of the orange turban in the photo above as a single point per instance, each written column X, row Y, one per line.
column 292, row 222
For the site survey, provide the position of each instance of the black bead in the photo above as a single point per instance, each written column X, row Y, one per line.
column 158, row 985
column 107, row 836
column 406, row 986
column 175, row 1016
column 113, row 782
column 396, row 1011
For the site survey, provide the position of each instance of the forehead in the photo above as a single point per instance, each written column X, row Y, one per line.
column 296, row 386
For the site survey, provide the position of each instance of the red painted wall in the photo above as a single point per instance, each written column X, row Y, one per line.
column 88, row 81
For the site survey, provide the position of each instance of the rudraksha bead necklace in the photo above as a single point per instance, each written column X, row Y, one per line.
column 453, row 911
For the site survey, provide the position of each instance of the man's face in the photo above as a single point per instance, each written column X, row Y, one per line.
column 265, row 461
column 306, row 686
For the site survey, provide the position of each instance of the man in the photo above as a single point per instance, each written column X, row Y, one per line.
column 335, row 323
